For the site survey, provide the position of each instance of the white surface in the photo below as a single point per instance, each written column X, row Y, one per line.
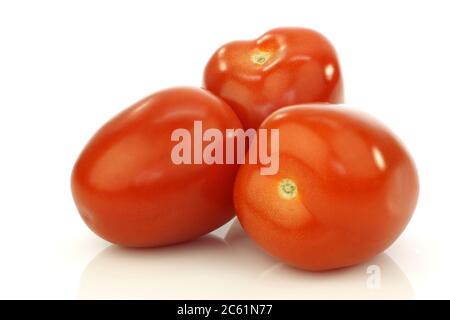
column 67, row 67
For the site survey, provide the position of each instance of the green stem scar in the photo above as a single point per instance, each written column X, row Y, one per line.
column 260, row 57
column 287, row 189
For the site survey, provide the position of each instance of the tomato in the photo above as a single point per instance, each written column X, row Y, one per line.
column 283, row 67
column 130, row 192
column 345, row 189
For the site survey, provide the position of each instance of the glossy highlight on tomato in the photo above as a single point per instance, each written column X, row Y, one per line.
column 126, row 186
column 285, row 66
column 345, row 190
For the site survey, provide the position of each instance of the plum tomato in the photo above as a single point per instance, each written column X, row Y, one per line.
column 285, row 66
column 345, row 189
column 128, row 189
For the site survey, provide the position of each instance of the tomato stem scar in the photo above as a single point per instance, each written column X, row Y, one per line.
column 260, row 57
column 287, row 189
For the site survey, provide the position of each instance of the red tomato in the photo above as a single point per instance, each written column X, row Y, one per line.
column 128, row 190
column 283, row 67
column 345, row 189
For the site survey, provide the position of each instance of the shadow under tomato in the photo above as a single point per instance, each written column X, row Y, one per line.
column 379, row 278
column 186, row 270
column 230, row 267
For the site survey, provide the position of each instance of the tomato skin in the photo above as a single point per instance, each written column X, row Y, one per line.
column 128, row 190
column 356, row 189
column 283, row 67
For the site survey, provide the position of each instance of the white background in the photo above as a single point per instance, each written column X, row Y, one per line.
column 66, row 67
